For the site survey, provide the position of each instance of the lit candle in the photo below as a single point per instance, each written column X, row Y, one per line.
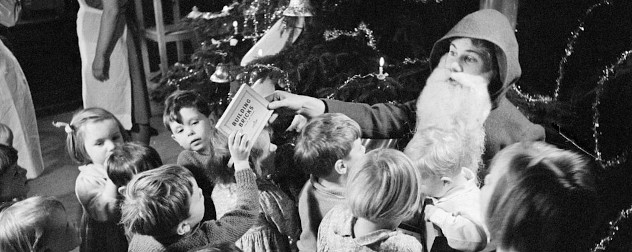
column 235, row 24
column 381, row 65
column 260, row 52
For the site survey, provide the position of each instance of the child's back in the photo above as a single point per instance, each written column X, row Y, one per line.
column 328, row 145
column 382, row 191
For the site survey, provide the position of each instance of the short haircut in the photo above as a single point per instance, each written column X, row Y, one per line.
column 324, row 140
column 8, row 157
column 443, row 152
column 75, row 139
column 387, row 175
column 6, row 135
column 183, row 99
column 157, row 200
column 129, row 159
column 546, row 201
column 23, row 224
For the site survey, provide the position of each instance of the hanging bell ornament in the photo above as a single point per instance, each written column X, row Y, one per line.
column 221, row 74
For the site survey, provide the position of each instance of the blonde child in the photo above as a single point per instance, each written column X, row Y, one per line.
column 12, row 176
column 446, row 156
column 92, row 135
column 164, row 207
column 382, row 191
column 326, row 149
column 36, row 224
column 278, row 226
column 540, row 198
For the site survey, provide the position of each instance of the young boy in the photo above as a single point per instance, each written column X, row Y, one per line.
column 445, row 156
column 326, row 149
column 164, row 207
column 187, row 116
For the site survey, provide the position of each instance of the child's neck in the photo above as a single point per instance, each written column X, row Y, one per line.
column 333, row 179
column 363, row 227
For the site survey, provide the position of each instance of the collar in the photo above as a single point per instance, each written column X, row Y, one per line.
column 459, row 190
column 338, row 192
column 346, row 230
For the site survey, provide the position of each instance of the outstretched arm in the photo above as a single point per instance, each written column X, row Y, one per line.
column 111, row 28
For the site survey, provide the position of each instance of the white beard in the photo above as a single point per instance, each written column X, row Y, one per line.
column 448, row 104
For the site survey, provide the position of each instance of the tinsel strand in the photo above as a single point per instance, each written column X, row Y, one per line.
column 612, row 230
column 352, row 78
column 609, row 71
column 361, row 29
column 570, row 46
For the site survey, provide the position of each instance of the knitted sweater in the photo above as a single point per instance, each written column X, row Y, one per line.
column 227, row 229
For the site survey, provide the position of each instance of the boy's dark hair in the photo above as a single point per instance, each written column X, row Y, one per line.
column 8, row 157
column 129, row 159
column 183, row 99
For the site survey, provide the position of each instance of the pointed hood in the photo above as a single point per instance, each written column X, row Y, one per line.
column 490, row 25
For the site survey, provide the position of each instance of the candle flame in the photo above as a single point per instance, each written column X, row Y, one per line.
column 235, row 24
column 381, row 61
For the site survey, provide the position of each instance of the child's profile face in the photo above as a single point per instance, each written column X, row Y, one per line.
column 194, row 133
column 355, row 155
column 466, row 57
column 100, row 138
column 431, row 184
column 61, row 234
column 13, row 183
column 196, row 205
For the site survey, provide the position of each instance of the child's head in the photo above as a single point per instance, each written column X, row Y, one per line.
column 387, row 175
column 162, row 202
column 37, row 224
column 12, row 176
column 92, row 134
column 441, row 154
column 539, row 198
column 129, row 159
column 6, row 135
column 186, row 116
column 329, row 142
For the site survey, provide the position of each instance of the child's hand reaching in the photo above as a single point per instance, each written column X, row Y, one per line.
column 238, row 147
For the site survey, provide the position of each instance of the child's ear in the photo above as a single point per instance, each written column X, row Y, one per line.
column 173, row 137
column 121, row 190
column 183, row 228
column 446, row 180
column 340, row 167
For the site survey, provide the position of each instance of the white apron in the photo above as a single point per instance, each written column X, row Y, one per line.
column 114, row 94
column 17, row 112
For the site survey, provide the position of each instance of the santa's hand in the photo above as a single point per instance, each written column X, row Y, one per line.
column 284, row 102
